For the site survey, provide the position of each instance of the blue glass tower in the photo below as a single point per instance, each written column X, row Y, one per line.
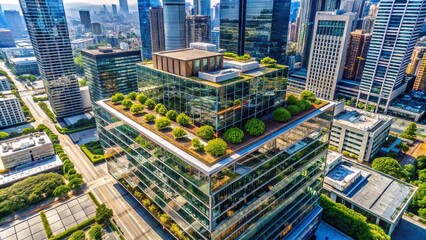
column 145, row 23
column 3, row 23
column 257, row 27
column 47, row 26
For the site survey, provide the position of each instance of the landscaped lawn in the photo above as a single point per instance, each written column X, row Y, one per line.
column 93, row 151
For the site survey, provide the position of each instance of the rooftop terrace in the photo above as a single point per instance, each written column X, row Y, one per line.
column 21, row 143
column 203, row 161
column 381, row 194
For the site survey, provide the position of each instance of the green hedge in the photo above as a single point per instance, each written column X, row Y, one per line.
column 350, row 222
column 94, row 158
column 46, row 224
column 70, row 231
column 47, row 110
column 94, row 199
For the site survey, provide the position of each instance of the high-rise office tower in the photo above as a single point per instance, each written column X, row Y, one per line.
column 114, row 9
column 197, row 29
column 395, row 34
column 330, row 5
column 356, row 6
column 174, row 24
column 6, row 38
column 85, row 19
column 420, row 82
column 356, row 53
column 202, row 7
column 415, row 60
column 259, row 28
column 157, row 29
column 266, row 187
column 305, row 23
column 124, row 7
column 109, row 71
column 368, row 21
column 16, row 25
column 215, row 17
column 145, row 26
column 215, row 37
column 47, row 26
column 330, row 39
column 3, row 22
column 97, row 28
column 293, row 32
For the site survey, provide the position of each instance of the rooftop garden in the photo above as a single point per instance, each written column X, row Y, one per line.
column 233, row 56
column 203, row 142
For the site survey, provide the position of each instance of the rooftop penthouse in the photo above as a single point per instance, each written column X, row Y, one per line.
column 381, row 198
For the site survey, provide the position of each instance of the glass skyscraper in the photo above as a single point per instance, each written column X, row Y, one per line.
column 15, row 23
column 109, row 71
column 3, row 22
column 266, row 189
column 395, row 34
column 145, row 23
column 202, row 7
column 47, row 26
column 174, row 24
column 256, row 27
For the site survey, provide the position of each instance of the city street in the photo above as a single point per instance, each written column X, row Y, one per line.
column 131, row 218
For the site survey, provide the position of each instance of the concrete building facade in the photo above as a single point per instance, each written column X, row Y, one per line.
column 197, row 29
column 28, row 148
column 326, row 64
column 10, row 110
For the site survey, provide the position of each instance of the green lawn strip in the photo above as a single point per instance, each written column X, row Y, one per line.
column 70, row 231
column 94, row 158
column 46, row 224
column 94, row 199
column 48, row 112
column 73, row 130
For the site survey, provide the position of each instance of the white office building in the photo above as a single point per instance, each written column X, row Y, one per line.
column 4, row 84
column 359, row 133
column 326, row 63
column 10, row 110
column 29, row 148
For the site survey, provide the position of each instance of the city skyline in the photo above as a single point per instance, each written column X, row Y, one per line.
column 106, row 2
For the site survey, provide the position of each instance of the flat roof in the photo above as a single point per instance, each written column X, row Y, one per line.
column 381, row 194
column 17, row 144
column 97, row 52
column 34, row 168
column 359, row 119
column 210, row 169
column 24, row 60
column 187, row 54
column 332, row 156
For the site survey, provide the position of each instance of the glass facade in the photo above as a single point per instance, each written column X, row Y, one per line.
column 258, row 27
column 47, row 26
column 110, row 73
column 220, row 105
column 255, row 196
column 145, row 23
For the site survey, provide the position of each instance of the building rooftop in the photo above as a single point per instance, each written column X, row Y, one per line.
column 205, row 162
column 187, row 54
column 105, row 51
column 82, row 40
column 17, row 144
column 415, row 103
column 379, row 193
column 365, row 121
column 30, row 169
column 21, row 60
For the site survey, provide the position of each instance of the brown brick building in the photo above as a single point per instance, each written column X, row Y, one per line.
column 359, row 42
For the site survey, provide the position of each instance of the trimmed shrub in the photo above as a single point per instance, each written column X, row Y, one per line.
column 136, row 108
column 141, row 98
column 132, row 95
column 78, row 235
column 117, row 98
column 162, row 123
column 150, row 104
column 103, row 214
column 206, row 132
column 234, row 135
column 308, row 95
column 255, row 127
column 304, row 105
column 294, row 110
column 178, row 132
column 172, row 115
column 149, row 117
column 183, row 119
column 268, row 60
column 46, row 224
column 291, row 100
column 197, row 145
column 127, row 103
column 216, row 147
column 281, row 115
column 161, row 109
